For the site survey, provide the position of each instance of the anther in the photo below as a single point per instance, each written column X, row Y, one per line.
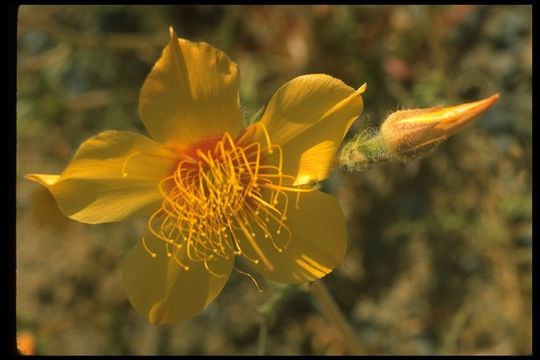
column 152, row 254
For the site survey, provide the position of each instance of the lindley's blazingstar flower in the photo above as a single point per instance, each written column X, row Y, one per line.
column 212, row 189
column 419, row 130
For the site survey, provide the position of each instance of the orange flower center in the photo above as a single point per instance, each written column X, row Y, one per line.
column 224, row 196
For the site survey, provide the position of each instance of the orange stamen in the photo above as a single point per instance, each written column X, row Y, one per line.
column 221, row 199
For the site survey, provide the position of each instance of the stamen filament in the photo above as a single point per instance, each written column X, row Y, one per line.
column 225, row 198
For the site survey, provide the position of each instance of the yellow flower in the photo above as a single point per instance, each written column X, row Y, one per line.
column 26, row 343
column 212, row 189
column 419, row 130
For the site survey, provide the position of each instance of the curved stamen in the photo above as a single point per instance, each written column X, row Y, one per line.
column 225, row 199
column 249, row 276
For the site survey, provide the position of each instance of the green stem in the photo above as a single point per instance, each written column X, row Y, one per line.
column 163, row 340
column 332, row 312
column 263, row 333
column 267, row 311
column 364, row 151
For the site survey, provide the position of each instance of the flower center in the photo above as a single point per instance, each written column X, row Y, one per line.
column 225, row 196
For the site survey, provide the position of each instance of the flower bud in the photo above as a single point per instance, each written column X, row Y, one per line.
column 417, row 131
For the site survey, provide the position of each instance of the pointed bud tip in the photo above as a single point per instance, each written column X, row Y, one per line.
column 471, row 110
column 487, row 102
column 492, row 99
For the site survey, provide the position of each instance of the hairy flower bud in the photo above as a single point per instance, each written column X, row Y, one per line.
column 417, row 131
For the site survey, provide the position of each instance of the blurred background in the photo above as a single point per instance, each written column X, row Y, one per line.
column 439, row 258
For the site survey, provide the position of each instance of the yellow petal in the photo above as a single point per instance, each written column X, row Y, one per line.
column 308, row 117
column 316, row 247
column 191, row 93
column 160, row 289
column 112, row 175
